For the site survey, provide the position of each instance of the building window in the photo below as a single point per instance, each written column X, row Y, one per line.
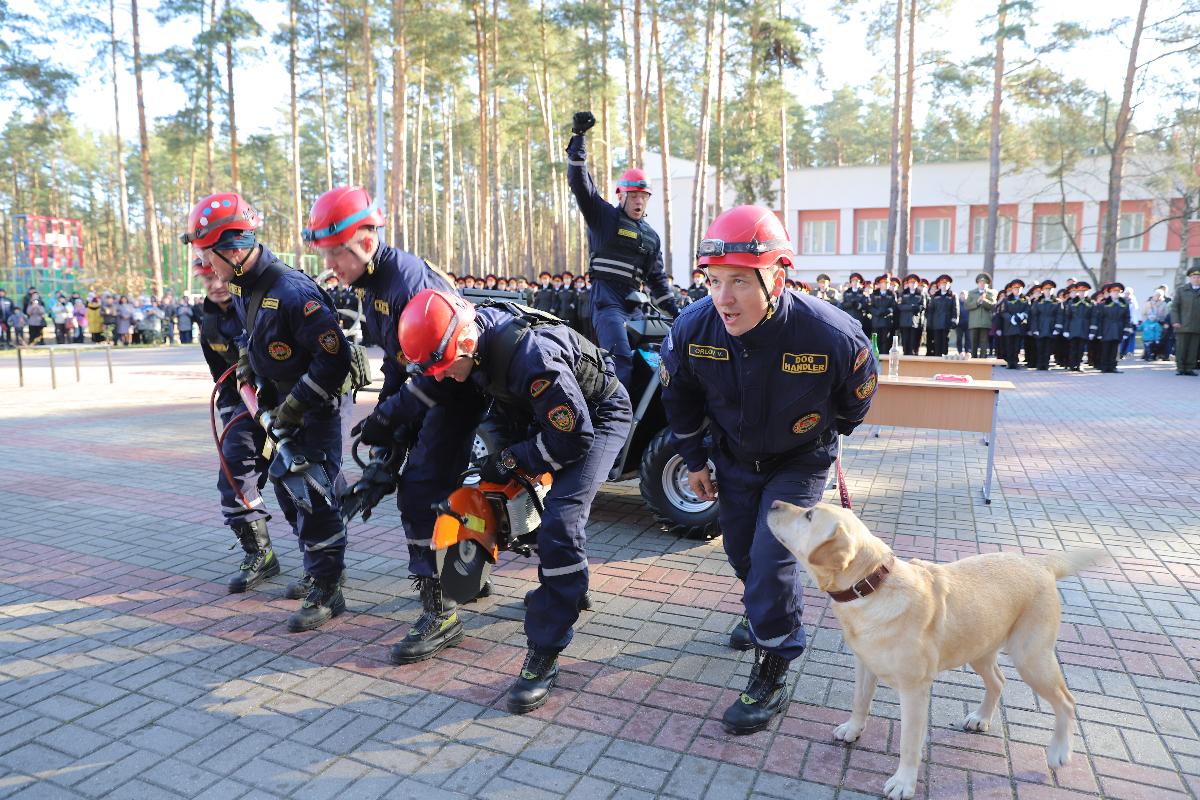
column 1004, row 226
column 1132, row 229
column 820, row 237
column 931, row 235
column 1049, row 233
column 872, row 236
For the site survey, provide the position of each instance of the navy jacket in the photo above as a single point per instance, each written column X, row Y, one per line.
column 541, row 373
column 395, row 279
column 804, row 372
column 220, row 338
column 1078, row 312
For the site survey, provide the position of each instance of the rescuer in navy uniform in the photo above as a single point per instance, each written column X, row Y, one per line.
column 572, row 416
column 774, row 376
column 625, row 250
column 244, row 470
column 296, row 349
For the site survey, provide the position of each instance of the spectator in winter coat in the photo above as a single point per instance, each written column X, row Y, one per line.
column 7, row 306
column 125, row 313
column 36, row 314
column 79, row 313
column 95, row 319
column 183, row 316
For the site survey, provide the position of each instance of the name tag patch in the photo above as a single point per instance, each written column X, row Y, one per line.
column 382, row 307
column 805, row 424
column 627, row 232
column 235, row 289
column 708, row 351
column 270, row 302
column 280, row 351
column 866, row 389
column 798, row 363
column 311, row 307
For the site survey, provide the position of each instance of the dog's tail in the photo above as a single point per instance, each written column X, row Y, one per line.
column 1070, row 562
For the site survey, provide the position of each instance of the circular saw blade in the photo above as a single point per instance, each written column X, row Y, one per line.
column 463, row 570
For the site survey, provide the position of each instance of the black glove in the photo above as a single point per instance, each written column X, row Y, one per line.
column 288, row 414
column 582, row 122
column 243, row 373
column 492, row 470
column 375, row 430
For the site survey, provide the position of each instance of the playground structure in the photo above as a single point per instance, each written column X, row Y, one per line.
column 48, row 253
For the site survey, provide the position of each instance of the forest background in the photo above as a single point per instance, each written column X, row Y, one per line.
column 124, row 114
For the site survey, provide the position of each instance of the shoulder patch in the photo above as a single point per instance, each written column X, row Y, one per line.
column 280, row 351
column 270, row 302
column 663, row 376
column 798, row 363
column 562, row 418
column 708, row 351
column 805, row 424
column 330, row 342
column 538, row 386
column 866, row 388
column 382, row 307
column 861, row 358
column 311, row 307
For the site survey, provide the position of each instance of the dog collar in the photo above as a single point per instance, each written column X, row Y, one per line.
column 865, row 586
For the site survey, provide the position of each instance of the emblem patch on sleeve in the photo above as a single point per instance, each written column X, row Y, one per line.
column 270, row 302
column 708, row 351
column 663, row 376
column 538, row 386
column 861, row 358
column 330, row 342
column 311, row 307
column 280, row 351
column 867, row 388
column 798, row 363
column 562, row 418
column 805, row 424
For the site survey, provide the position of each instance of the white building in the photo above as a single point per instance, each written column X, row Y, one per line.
column 838, row 223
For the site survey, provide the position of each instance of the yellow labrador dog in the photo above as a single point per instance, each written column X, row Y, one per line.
column 906, row 621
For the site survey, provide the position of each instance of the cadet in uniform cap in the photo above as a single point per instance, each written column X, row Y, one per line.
column 625, row 250
column 856, row 303
column 1185, row 320
column 825, row 291
column 296, row 348
column 1078, row 324
column 1014, row 319
column 1045, row 324
column 1033, row 295
column 980, row 302
column 545, row 298
column 575, row 414
column 769, row 376
column 698, row 290
column 943, row 316
column 243, row 470
column 911, row 309
column 1113, row 319
column 883, row 312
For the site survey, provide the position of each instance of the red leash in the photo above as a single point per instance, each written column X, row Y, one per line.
column 220, row 438
column 841, row 478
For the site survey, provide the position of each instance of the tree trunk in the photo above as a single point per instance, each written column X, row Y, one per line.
column 478, row 13
column 665, row 145
column 418, row 217
column 604, row 185
column 1108, row 258
column 297, row 224
column 558, row 250
column 1191, row 200
column 433, row 198
column 699, row 187
column 639, row 125
column 209, row 143
column 447, row 183
column 398, row 200
column 147, row 184
column 346, row 96
column 233, row 142
column 630, row 116
column 906, row 146
column 989, row 234
column 718, row 189
column 122, row 188
column 527, row 201
column 889, row 257
column 369, row 73
column 499, row 234
column 783, row 192
column 324, row 101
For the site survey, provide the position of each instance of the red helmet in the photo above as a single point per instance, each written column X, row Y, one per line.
column 338, row 214
column 633, row 180
column 745, row 236
column 200, row 266
column 217, row 213
column 429, row 329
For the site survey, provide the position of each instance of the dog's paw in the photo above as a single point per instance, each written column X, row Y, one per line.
column 974, row 722
column 848, row 731
column 1058, row 754
column 900, row 786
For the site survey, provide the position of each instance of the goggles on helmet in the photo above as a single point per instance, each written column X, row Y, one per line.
column 718, row 248
column 311, row 235
column 634, row 186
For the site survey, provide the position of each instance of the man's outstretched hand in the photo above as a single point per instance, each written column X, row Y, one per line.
column 582, row 122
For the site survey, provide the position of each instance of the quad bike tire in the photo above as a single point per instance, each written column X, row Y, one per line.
column 663, row 483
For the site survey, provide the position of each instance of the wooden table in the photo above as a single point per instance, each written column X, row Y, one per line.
column 912, row 402
column 927, row 366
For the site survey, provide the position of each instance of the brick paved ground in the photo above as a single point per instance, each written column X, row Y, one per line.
column 126, row 671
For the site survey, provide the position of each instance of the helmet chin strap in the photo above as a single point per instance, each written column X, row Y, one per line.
column 237, row 268
column 770, row 300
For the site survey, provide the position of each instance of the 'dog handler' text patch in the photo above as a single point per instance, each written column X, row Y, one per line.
column 708, row 351
column 797, row 363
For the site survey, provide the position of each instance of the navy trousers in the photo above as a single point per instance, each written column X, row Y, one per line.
column 610, row 312
column 563, row 571
column 773, row 595
column 242, row 453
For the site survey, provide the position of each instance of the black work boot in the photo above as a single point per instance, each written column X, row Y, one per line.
column 739, row 637
column 437, row 628
column 484, row 591
column 585, row 602
column 765, row 696
column 260, row 562
column 532, row 686
column 299, row 589
column 324, row 602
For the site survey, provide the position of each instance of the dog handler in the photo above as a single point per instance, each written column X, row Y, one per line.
column 774, row 375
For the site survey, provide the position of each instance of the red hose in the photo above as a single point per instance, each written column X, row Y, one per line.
column 220, row 438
